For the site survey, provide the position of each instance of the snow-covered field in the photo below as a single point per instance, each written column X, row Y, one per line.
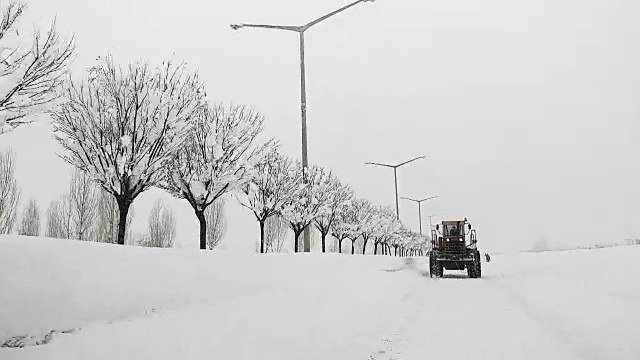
column 111, row 302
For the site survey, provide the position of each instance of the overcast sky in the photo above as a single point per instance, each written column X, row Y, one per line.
column 528, row 111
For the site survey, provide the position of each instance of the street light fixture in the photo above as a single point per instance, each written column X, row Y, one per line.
column 303, row 92
column 395, row 176
column 419, row 202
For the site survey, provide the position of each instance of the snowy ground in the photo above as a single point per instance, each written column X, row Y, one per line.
column 135, row 303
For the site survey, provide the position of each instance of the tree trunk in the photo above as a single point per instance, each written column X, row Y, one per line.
column 364, row 246
column 353, row 247
column 123, row 207
column 203, row 229
column 324, row 237
column 340, row 246
column 375, row 248
column 262, row 236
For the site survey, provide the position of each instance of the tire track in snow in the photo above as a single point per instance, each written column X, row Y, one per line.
column 467, row 319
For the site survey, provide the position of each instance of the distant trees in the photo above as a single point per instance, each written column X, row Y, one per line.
column 82, row 202
column 30, row 223
column 275, row 233
column 9, row 192
column 29, row 78
column 122, row 125
column 55, row 227
column 161, row 227
column 216, row 222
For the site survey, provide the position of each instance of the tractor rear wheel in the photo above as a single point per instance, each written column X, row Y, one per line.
column 478, row 265
column 436, row 269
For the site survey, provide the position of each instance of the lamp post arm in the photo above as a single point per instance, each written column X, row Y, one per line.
column 385, row 165
column 266, row 26
column 408, row 161
column 325, row 17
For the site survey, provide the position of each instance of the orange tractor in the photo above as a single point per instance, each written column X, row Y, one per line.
column 453, row 247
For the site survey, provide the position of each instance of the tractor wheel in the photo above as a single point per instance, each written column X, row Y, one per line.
column 436, row 269
column 471, row 270
column 478, row 265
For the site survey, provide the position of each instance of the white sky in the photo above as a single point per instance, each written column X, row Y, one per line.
column 528, row 111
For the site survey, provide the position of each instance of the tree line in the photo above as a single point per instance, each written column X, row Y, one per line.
column 128, row 128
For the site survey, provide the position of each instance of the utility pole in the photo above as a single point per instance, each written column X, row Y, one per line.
column 395, row 177
column 303, row 91
column 419, row 202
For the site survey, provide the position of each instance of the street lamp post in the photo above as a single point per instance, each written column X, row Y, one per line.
column 419, row 202
column 431, row 217
column 303, row 92
column 395, row 176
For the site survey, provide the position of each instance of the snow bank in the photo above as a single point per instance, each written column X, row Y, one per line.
column 59, row 284
column 139, row 303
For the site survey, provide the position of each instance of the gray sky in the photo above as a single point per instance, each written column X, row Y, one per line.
column 528, row 111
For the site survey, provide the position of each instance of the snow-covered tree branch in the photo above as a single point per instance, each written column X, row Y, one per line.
column 122, row 125
column 217, row 158
column 336, row 195
column 357, row 219
column 29, row 78
column 312, row 200
column 274, row 185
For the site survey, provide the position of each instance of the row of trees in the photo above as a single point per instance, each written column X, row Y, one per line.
column 132, row 128
column 88, row 213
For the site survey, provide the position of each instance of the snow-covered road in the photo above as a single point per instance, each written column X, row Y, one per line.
column 218, row 306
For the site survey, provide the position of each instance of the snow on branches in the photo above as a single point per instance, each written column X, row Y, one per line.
column 336, row 195
column 121, row 125
column 313, row 199
column 274, row 185
column 29, row 78
column 357, row 220
column 217, row 157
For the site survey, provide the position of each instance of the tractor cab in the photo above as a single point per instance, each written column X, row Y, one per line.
column 453, row 236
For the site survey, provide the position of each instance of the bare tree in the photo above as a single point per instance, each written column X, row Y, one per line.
column 337, row 195
column 122, row 125
column 83, row 201
column 310, row 201
column 9, row 192
column 216, row 222
column 217, row 158
column 162, row 227
column 30, row 223
column 29, row 79
column 275, row 233
column 272, row 188
column 55, row 220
